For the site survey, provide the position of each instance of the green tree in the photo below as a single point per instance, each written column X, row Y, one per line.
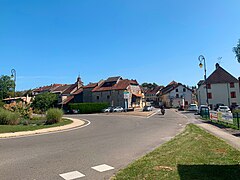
column 149, row 85
column 6, row 86
column 236, row 51
column 44, row 101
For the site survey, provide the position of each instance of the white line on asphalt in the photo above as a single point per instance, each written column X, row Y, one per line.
column 102, row 168
column 71, row 175
column 153, row 114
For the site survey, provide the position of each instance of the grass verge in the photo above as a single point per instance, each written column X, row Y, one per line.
column 32, row 127
column 193, row 154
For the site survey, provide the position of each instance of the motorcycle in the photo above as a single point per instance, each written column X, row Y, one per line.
column 163, row 111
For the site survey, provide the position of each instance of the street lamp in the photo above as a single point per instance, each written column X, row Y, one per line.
column 13, row 71
column 201, row 59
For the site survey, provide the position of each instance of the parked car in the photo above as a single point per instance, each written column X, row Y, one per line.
column 108, row 109
column 147, row 108
column 234, row 107
column 217, row 106
column 193, row 107
column 118, row 109
column 223, row 109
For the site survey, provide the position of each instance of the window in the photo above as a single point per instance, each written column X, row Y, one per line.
column 108, row 97
column 176, row 90
column 97, row 97
column 231, row 85
column 184, row 89
column 209, row 95
column 208, row 86
column 177, row 95
column 233, row 94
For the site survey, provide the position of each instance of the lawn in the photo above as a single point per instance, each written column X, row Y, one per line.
column 30, row 127
column 193, row 154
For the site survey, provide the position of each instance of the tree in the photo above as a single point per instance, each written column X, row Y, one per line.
column 236, row 51
column 6, row 86
column 44, row 101
column 149, row 85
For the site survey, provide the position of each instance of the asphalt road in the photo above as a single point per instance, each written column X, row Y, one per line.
column 109, row 139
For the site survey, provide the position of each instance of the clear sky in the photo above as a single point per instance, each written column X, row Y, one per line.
column 53, row 41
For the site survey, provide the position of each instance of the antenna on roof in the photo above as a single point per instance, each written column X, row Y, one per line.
column 219, row 60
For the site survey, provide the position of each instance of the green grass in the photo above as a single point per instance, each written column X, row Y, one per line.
column 193, row 154
column 30, row 127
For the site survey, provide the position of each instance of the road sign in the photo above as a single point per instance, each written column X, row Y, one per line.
column 126, row 94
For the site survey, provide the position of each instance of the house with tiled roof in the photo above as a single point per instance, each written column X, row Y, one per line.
column 176, row 95
column 222, row 88
column 151, row 95
column 112, row 91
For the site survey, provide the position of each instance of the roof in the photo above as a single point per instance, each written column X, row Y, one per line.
column 62, row 88
column 113, row 79
column 47, row 88
column 220, row 75
column 70, row 89
column 78, row 91
column 90, row 85
column 154, row 91
column 122, row 84
column 172, row 86
column 69, row 98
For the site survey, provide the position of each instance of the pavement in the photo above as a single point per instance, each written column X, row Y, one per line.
column 222, row 133
column 75, row 124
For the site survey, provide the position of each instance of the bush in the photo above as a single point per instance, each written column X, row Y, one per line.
column 85, row 108
column 54, row 115
column 8, row 118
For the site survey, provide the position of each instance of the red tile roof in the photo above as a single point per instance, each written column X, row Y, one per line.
column 78, row 91
column 90, row 85
column 121, row 85
column 69, row 98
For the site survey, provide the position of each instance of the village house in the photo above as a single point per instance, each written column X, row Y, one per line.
column 112, row 91
column 151, row 95
column 176, row 95
column 222, row 88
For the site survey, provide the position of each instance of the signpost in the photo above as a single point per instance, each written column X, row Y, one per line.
column 126, row 95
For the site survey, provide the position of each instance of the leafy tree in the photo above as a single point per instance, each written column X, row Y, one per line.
column 149, row 85
column 6, row 86
column 44, row 101
column 236, row 51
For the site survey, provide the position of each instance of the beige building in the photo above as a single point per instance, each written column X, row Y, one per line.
column 113, row 89
column 222, row 88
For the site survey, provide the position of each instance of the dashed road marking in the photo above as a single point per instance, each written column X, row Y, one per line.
column 71, row 175
column 102, row 168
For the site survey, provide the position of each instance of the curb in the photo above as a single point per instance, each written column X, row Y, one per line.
column 77, row 123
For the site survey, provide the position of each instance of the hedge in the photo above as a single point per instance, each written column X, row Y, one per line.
column 86, row 108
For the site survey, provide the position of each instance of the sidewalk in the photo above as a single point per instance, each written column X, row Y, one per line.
column 216, row 131
column 75, row 124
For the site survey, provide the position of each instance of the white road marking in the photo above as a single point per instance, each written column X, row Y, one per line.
column 153, row 114
column 102, row 168
column 71, row 175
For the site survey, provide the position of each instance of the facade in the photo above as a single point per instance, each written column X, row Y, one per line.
column 151, row 95
column 176, row 95
column 113, row 89
column 222, row 88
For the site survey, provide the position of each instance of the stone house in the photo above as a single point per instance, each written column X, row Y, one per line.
column 112, row 91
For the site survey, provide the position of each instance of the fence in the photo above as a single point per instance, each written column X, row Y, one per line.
column 227, row 118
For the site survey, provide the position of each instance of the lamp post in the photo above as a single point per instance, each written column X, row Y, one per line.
column 201, row 59
column 13, row 71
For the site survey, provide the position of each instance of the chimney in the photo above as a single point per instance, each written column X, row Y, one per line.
column 217, row 65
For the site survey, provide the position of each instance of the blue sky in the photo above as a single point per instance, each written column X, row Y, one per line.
column 53, row 41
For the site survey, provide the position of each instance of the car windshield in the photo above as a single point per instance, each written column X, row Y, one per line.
column 223, row 107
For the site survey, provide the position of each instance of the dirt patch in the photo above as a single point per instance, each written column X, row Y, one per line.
column 220, row 150
column 163, row 168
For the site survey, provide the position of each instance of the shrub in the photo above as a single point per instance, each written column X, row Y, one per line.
column 8, row 118
column 85, row 108
column 54, row 115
